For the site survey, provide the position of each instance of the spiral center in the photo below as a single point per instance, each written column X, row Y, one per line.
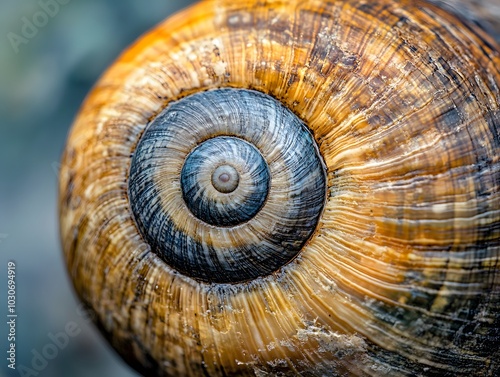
column 225, row 179
column 230, row 198
column 222, row 193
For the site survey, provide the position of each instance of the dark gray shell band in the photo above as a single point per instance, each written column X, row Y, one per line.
column 225, row 181
column 227, row 185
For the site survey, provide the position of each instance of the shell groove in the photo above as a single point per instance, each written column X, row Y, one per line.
column 401, row 276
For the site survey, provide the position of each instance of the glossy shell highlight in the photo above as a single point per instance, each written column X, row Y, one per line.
column 401, row 275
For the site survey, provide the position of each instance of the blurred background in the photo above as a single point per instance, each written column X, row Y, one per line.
column 43, row 80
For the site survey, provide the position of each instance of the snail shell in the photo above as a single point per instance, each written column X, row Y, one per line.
column 293, row 187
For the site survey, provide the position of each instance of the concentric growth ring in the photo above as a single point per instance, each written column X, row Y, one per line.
column 227, row 185
column 235, row 190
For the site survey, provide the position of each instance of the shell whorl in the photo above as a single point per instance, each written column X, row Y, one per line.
column 263, row 221
column 396, row 267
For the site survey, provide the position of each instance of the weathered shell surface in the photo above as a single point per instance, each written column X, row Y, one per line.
column 401, row 275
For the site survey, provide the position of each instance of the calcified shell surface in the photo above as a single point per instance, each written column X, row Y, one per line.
column 400, row 276
column 230, row 237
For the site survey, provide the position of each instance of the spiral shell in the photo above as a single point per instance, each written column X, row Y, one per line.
column 237, row 230
column 293, row 188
